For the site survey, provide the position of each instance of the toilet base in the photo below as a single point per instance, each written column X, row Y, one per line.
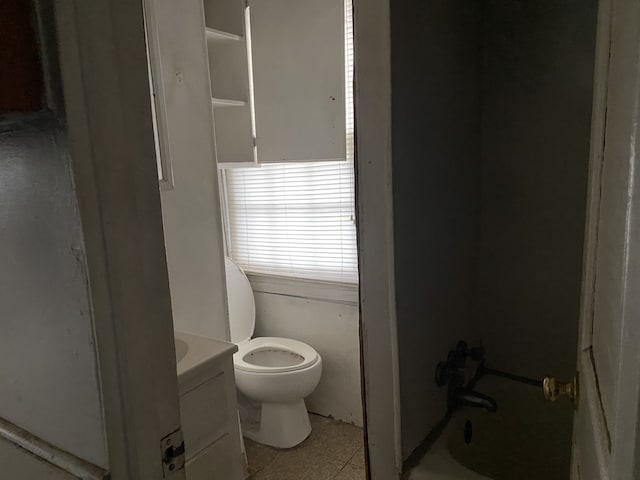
column 282, row 425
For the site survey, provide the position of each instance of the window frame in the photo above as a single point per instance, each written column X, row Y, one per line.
column 308, row 288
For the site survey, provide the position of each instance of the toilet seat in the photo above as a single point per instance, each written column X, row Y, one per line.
column 274, row 355
column 262, row 354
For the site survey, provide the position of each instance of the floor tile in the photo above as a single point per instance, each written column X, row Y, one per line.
column 259, row 456
column 358, row 458
column 322, row 456
column 351, row 472
column 299, row 464
column 333, row 439
column 318, row 420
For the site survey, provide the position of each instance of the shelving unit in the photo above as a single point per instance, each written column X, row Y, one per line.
column 278, row 87
column 222, row 103
column 220, row 36
column 229, row 73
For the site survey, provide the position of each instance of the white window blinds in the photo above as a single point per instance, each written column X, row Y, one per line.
column 297, row 219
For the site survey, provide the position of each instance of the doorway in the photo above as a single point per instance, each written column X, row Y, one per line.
column 261, row 212
column 484, row 128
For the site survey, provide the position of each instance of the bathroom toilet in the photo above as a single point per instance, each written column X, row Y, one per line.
column 274, row 374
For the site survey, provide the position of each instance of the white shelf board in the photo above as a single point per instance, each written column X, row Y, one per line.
column 219, row 35
column 223, row 102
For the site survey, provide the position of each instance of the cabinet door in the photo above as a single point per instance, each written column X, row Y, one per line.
column 298, row 79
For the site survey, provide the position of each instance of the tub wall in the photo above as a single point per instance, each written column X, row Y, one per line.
column 435, row 56
column 536, row 112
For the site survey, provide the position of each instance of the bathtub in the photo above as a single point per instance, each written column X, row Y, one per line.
column 526, row 439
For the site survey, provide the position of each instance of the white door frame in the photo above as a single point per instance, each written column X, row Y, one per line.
column 108, row 110
column 598, row 119
column 616, row 89
column 378, row 337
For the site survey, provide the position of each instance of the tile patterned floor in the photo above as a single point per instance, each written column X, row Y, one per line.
column 333, row 451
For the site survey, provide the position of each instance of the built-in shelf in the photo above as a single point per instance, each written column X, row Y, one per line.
column 219, row 35
column 223, row 102
column 229, row 79
column 225, row 15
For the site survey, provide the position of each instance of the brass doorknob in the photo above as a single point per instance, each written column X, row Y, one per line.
column 554, row 389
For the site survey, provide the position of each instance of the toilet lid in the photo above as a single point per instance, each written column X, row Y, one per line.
column 242, row 307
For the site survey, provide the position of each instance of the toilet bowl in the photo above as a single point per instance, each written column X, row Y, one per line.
column 274, row 373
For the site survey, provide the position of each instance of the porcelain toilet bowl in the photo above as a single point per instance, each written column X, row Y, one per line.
column 278, row 373
column 273, row 374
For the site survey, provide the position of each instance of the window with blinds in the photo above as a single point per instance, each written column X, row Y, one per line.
column 298, row 219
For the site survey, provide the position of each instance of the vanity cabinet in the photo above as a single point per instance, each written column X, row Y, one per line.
column 208, row 408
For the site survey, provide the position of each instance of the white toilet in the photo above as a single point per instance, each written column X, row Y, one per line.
column 276, row 373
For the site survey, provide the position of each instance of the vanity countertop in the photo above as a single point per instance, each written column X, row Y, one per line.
column 197, row 358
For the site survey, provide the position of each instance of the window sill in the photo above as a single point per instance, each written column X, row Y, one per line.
column 334, row 292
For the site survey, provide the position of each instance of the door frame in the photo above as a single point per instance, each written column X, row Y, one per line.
column 374, row 200
column 106, row 88
column 105, row 81
column 596, row 152
column 615, row 455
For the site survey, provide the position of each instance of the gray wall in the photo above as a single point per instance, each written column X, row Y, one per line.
column 435, row 56
column 537, row 82
column 491, row 121
column 48, row 365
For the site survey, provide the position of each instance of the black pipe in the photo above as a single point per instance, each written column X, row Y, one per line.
column 517, row 378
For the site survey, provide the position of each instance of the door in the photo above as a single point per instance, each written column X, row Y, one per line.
column 108, row 116
column 606, row 429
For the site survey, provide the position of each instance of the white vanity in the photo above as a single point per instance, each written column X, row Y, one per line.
column 208, row 408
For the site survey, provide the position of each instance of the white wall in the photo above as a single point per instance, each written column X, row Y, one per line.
column 48, row 365
column 191, row 210
column 435, row 58
column 537, row 89
column 330, row 328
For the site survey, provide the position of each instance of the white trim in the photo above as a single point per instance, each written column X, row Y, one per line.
column 609, row 445
column 104, row 70
column 625, row 78
column 50, row 454
column 374, row 201
column 158, row 98
column 334, row 292
column 224, row 210
column 596, row 154
column 585, row 367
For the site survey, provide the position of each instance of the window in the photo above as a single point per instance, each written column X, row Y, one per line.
column 298, row 219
